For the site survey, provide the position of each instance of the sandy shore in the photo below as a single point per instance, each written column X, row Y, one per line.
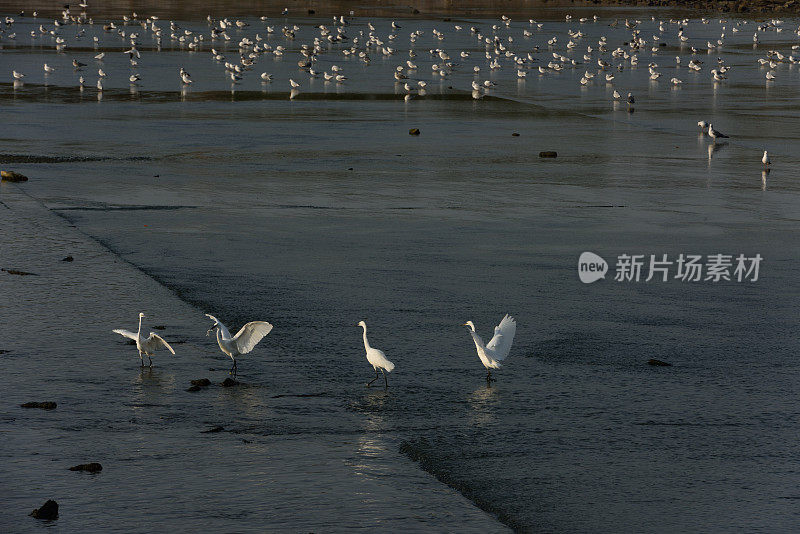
column 146, row 430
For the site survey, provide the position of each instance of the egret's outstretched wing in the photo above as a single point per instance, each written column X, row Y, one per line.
column 223, row 330
column 250, row 334
column 500, row 344
column 156, row 342
column 126, row 333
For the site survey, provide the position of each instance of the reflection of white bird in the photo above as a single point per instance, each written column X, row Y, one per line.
column 243, row 342
column 145, row 345
column 498, row 348
column 376, row 358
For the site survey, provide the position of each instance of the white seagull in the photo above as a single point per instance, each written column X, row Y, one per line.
column 765, row 159
column 243, row 342
column 498, row 348
column 714, row 134
column 145, row 345
column 376, row 358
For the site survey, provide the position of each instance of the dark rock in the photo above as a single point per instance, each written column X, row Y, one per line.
column 548, row 154
column 415, row 11
column 201, row 382
column 47, row 405
column 49, row 511
column 515, row 134
column 11, row 176
column 311, row 11
column 92, row 467
column 246, row 441
column 228, row 382
column 413, row 131
column 214, row 430
column 192, row 389
column 159, row 327
column 68, row 258
column 349, row 168
column 20, row 273
column 658, row 363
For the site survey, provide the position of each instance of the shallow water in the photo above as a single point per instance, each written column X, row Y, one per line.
column 322, row 211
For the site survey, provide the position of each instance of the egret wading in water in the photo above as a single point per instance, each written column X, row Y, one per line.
column 145, row 345
column 243, row 342
column 376, row 358
column 498, row 348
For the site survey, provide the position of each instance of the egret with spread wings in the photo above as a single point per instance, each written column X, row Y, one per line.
column 144, row 345
column 243, row 342
column 492, row 353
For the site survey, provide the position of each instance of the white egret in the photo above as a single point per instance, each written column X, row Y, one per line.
column 376, row 358
column 765, row 159
column 497, row 349
column 145, row 345
column 243, row 342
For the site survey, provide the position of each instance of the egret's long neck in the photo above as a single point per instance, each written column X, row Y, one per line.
column 219, row 337
column 139, row 332
column 366, row 343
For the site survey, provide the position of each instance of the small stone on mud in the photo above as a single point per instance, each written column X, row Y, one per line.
column 47, row 405
column 201, row 382
column 48, row 510
column 68, row 258
column 11, row 176
column 192, row 389
column 92, row 467
column 228, row 382
column 548, row 154
column 658, row 363
column 20, row 273
column 214, row 430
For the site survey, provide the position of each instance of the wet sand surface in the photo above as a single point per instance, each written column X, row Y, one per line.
column 268, row 471
column 319, row 212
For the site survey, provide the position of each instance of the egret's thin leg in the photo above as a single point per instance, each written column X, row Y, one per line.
column 141, row 360
column 489, row 375
column 374, row 379
column 385, row 380
column 150, row 360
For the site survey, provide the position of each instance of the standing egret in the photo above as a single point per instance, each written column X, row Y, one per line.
column 243, row 342
column 147, row 346
column 498, row 348
column 376, row 358
column 765, row 159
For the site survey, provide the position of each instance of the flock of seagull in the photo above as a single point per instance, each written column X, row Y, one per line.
column 234, row 45
column 490, row 354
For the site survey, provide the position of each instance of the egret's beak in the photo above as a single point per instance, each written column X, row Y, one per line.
column 208, row 332
column 465, row 324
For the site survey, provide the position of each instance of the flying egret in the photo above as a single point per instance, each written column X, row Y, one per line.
column 376, row 358
column 243, row 342
column 498, row 348
column 145, row 345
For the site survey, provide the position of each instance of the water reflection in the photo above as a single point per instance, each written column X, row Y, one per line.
column 483, row 403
